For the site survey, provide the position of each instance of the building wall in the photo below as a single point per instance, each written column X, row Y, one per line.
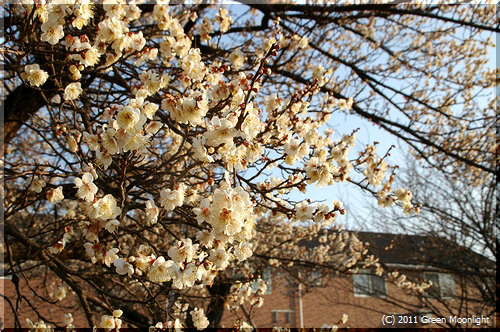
column 324, row 306
column 53, row 314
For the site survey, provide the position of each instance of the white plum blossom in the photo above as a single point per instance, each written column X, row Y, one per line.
column 68, row 321
column 103, row 158
column 92, row 141
column 111, row 256
column 203, row 212
column 117, row 313
column 318, row 172
column 61, row 293
column 105, row 208
column 403, row 195
column 37, row 185
column 243, row 251
column 304, row 211
column 170, row 199
column 205, row 29
column 109, row 142
column 295, row 150
column 163, row 271
column 150, row 110
column 152, row 212
column 193, row 109
column 165, row 124
column 219, row 257
column 112, row 225
column 55, row 195
column 229, row 213
column 86, row 187
column 153, row 127
column 89, row 57
column 192, row 64
column 237, row 59
column 128, row 117
column 83, row 13
column 200, row 152
column 221, row 131
column 299, row 42
column 90, row 169
column 73, row 91
column 52, row 32
column 318, row 71
column 34, row 75
column 183, row 252
column 190, row 275
column 39, row 326
column 151, row 81
column 206, row 239
column 123, row 267
column 245, row 327
column 224, row 20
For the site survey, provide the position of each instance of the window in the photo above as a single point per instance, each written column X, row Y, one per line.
column 281, row 316
column 266, row 276
column 316, row 278
column 443, row 285
column 367, row 284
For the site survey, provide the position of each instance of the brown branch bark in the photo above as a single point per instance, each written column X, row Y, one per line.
column 19, row 106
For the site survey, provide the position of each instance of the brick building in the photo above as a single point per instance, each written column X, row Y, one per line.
column 366, row 297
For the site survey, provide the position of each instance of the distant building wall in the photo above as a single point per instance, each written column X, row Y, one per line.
column 324, row 306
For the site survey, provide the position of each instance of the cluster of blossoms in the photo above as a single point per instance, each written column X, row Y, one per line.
column 44, row 327
column 39, row 326
column 229, row 215
column 198, row 317
column 111, row 322
column 200, row 321
column 130, row 129
column 397, row 278
column 401, row 281
column 248, row 292
column 336, row 249
column 402, row 195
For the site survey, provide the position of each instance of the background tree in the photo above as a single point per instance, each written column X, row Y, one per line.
column 148, row 132
column 460, row 223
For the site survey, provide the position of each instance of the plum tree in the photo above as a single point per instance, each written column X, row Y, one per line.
column 150, row 149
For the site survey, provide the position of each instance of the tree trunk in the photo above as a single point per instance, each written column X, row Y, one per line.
column 19, row 106
column 215, row 310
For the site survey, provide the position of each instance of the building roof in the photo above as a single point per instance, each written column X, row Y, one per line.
column 417, row 250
